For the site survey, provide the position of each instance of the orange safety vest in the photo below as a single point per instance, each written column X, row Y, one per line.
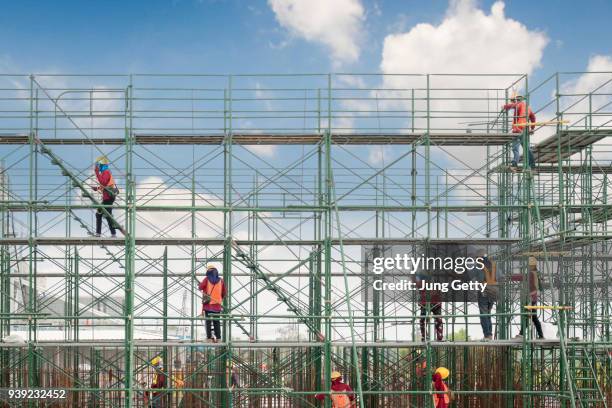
column 340, row 400
column 214, row 291
column 521, row 116
column 491, row 274
column 111, row 188
column 436, row 397
column 111, row 181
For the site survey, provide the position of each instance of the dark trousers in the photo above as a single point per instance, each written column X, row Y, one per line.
column 436, row 310
column 212, row 323
column 157, row 401
column 485, row 305
column 100, row 213
column 535, row 320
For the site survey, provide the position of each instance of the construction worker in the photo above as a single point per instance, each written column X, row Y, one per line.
column 534, row 289
column 486, row 299
column 213, row 292
column 521, row 113
column 430, row 301
column 159, row 382
column 109, row 193
column 443, row 398
column 342, row 395
column 234, row 377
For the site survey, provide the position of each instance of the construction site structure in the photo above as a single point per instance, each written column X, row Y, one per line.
column 287, row 183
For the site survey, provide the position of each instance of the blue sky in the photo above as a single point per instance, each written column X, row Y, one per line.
column 237, row 36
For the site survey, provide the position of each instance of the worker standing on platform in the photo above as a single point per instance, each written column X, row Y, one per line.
column 534, row 289
column 486, row 299
column 159, row 382
column 522, row 112
column 213, row 292
column 430, row 301
column 342, row 395
column 443, row 398
column 109, row 193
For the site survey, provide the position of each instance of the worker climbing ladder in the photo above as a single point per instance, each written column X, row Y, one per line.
column 76, row 183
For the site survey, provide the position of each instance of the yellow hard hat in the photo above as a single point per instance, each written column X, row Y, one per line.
column 156, row 361
column 443, row 371
column 210, row 266
column 516, row 95
column 335, row 374
column 102, row 160
column 533, row 261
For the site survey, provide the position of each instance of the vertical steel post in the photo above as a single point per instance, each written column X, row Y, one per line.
column 227, row 252
column 130, row 247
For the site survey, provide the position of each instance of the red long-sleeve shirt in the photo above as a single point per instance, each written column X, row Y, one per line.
column 159, row 381
column 338, row 386
column 213, row 307
column 105, row 178
column 439, row 385
column 521, row 112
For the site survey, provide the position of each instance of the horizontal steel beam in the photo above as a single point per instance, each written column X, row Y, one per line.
column 307, row 344
column 440, row 139
column 221, row 241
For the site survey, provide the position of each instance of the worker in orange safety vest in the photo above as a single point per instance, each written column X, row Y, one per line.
column 522, row 113
column 342, row 395
column 213, row 292
column 441, row 399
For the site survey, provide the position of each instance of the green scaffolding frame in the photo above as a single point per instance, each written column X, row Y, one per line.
column 557, row 211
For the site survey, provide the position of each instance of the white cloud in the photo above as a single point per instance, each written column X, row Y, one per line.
column 599, row 68
column 575, row 101
column 467, row 41
column 267, row 151
column 380, row 155
column 336, row 24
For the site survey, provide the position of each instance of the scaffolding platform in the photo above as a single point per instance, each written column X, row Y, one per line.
column 570, row 241
column 553, row 169
column 438, row 139
column 571, row 142
column 598, row 216
column 85, row 241
column 254, row 345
